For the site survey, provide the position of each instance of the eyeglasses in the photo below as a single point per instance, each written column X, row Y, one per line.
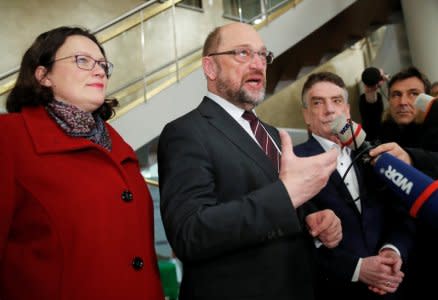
column 88, row 63
column 245, row 55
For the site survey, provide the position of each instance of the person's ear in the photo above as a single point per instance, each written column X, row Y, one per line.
column 347, row 111
column 210, row 67
column 306, row 116
column 41, row 76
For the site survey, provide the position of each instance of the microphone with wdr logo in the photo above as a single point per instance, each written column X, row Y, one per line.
column 352, row 136
column 416, row 188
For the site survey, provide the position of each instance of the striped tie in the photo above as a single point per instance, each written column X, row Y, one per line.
column 263, row 138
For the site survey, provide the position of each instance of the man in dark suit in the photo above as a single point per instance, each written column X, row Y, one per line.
column 233, row 217
column 377, row 230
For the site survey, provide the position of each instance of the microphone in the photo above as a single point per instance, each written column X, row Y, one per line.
column 411, row 185
column 352, row 136
column 371, row 76
column 424, row 104
column 416, row 188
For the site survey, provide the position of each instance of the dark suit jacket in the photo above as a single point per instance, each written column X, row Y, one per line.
column 421, row 142
column 227, row 215
column 382, row 220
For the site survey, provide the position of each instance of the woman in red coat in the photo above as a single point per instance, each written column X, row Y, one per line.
column 76, row 217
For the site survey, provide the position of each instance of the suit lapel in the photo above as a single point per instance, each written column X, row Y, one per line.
column 220, row 119
column 335, row 178
column 342, row 188
column 359, row 168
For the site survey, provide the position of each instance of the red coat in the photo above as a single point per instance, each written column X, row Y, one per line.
column 76, row 221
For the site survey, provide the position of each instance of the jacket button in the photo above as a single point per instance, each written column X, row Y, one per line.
column 127, row 196
column 137, row 263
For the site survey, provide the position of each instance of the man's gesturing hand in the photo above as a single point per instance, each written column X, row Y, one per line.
column 304, row 177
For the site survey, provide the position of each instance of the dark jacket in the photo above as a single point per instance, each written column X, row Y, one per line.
column 421, row 142
column 371, row 116
column 382, row 220
column 227, row 215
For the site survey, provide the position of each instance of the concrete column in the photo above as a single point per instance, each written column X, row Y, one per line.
column 421, row 28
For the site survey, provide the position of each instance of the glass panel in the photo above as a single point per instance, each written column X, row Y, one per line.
column 159, row 49
column 251, row 11
column 242, row 10
column 143, row 56
column 125, row 52
column 194, row 4
column 5, row 85
column 275, row 4
column 189, row 46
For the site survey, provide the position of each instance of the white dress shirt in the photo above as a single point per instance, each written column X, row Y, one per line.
column 236, row 113
column 344, row 161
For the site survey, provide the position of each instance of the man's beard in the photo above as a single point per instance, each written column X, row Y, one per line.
column 245, row 97
column 240, row 96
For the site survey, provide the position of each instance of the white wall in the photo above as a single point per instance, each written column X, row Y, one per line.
column 421, row 27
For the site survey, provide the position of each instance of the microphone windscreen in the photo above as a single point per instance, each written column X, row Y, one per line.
column 371, row 76
column 423, row 101
column 349, row 133
column 417, row 189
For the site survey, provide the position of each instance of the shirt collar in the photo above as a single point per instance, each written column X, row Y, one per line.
column 235, row 111
column 327, row 144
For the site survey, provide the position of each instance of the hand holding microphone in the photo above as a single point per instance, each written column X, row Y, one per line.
column 424, row 104
column 392, row 148
column 417, row 189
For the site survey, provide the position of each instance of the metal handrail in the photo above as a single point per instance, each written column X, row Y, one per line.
column 151, row 182
column 162, row 67
column 9, row 73
column 124, row 16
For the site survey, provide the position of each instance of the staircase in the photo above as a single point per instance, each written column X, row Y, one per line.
column 343, row 30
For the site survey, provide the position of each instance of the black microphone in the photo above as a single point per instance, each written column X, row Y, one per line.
column 371, row 76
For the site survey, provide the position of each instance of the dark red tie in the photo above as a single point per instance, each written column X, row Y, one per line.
column 263, row 138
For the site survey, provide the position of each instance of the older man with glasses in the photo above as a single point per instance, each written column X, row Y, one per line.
column 233, row 194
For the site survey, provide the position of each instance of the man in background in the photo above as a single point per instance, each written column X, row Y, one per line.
column 416, row 143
